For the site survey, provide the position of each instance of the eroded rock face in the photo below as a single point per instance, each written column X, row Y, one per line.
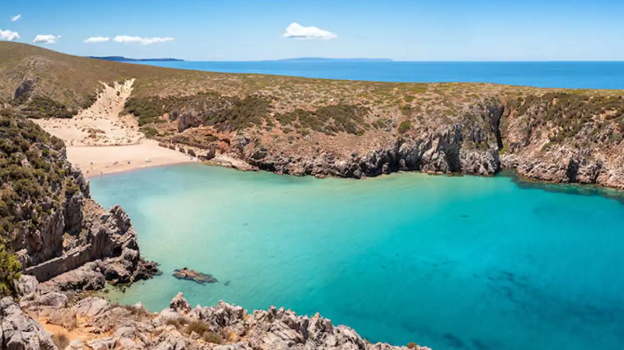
column 25, row 89
column 187, row 119
column 19, row 331
column 444, row 152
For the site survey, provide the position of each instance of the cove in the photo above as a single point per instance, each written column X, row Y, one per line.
column 448, row 262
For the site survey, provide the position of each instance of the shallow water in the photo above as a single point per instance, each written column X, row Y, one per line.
column 448, row 262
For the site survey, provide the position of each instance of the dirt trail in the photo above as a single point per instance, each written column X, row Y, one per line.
column 102, row 139
column 102, row 124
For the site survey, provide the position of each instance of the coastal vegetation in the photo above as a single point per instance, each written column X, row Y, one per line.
column 10, row 269
column 189, row 326
column 32, row 185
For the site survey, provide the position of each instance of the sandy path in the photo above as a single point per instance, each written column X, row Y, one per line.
column 101, row 140
column 101, row 124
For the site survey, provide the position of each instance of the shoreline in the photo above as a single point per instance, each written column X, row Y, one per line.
column 119, row 170
column 524, row 182
column 95, row 161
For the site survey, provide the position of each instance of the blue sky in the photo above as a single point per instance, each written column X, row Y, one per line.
column 253, row 30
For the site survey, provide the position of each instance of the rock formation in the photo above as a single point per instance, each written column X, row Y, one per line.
column 103, row 325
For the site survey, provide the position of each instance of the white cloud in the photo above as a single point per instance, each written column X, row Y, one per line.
column 139, row 40
column 46, row 39
column 97, row 39
column 296, row 31
column 8, row 35
column 15, row 18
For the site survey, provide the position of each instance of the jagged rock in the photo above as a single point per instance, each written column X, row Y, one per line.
column 168, row 314
column 19, row 331
column 179, row 304
column 76, row 345
column 127, row 343
column 87, row 277
column 91, row 306
column 26, row 285
column 50, row 300
column 107, row 343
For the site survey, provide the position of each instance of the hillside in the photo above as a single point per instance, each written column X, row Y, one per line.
column 340, row 128
column 48, row 221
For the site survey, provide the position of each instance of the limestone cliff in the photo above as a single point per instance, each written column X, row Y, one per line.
column 555, row 137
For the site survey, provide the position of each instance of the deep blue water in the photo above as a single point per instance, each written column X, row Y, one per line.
column 583, row 75
column 450, row 262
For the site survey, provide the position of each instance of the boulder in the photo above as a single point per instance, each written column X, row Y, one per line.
column 179, row 304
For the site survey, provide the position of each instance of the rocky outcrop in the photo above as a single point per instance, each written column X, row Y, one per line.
column 18, row 331
column 452, row 150
column 107, row 249
column 107, row 326
column 25, row 89
column 186, row 119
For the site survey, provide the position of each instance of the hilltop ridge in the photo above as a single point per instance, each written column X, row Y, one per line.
column 126, row 59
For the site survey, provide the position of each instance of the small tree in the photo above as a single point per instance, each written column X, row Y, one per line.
column 10, row 268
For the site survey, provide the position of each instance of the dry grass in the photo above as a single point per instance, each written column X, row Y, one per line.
column 73, row 81
column 296, row 106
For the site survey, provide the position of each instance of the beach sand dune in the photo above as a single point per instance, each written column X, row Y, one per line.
column 103, row 140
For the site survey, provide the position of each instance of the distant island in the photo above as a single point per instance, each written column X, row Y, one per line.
column 325, row 59
column 125, row 59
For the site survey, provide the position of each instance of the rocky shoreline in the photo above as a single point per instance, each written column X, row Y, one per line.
column 484, row 142
column 95, row 323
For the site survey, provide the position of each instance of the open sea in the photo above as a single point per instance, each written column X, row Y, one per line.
column 449, row 262
column 578, row 75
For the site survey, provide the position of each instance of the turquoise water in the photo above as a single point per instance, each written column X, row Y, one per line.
column 582, row 75
column 448, row 262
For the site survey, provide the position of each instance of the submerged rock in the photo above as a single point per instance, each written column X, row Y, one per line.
column 192, row 275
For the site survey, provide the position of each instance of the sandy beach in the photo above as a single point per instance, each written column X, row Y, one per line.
column 103, row 140
column 101, row 160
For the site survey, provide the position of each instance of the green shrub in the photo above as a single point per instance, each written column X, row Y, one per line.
column 615, row 138
column 33, row 177
column 211, row 337
column 149, row 131
column 10, row 268
column 328, row 119
column 405, row 126
column 44, row 107
column 226, row 113
column 197, row 326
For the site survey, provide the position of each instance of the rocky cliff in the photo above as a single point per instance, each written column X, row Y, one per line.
column 555, row 137
column 47, row 215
